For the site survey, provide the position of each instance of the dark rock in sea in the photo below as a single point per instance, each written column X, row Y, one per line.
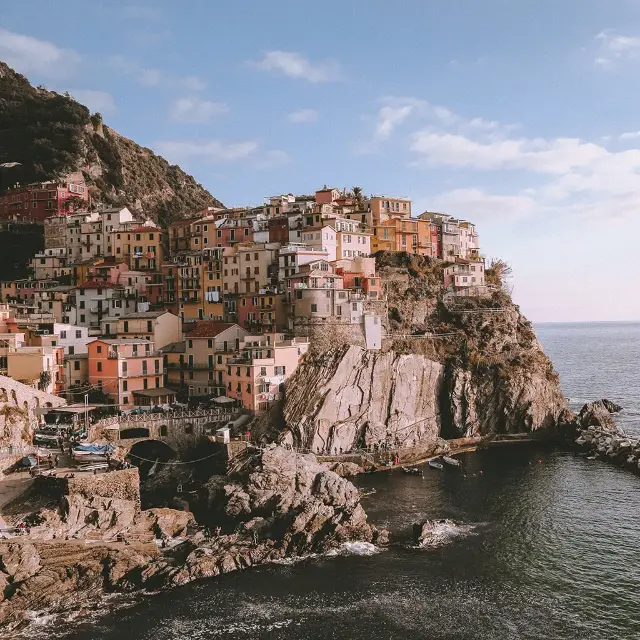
column 611, row 407
column 596, row 414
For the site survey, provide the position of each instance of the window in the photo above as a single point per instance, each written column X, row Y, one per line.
column 124, row 368
column 125, row 385
column 71, row 350
column 145, row 384
column 99, row 366
column 156, row 366
column 280, row 371
column 314, row 308
column 157, row 383
column 125, row 400
column 126, row 326
column 63, row 335
column 210, row 343
column 99, row 349
column 263, row 371
column 354, row 306
column 144, row 367
column 76, row 365
column 82, row 304
column 248, row 388
column 82, row 318
column 78, row 334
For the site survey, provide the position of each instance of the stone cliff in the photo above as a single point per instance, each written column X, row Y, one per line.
column 449, row 367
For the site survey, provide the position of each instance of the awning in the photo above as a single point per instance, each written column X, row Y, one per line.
column 223, row 400
column 154, row 393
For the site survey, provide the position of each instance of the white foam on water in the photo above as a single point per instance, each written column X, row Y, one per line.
column 355, row 549
column 445, row 533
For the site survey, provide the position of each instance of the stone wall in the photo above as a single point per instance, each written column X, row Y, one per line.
column 121, row 485
column 17, row 416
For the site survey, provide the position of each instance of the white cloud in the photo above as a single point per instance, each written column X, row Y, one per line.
column 478, row 205
column 297, row 66
column 151, row 77
column 303, row 116
column 612, row 47
column 555, row 156
column 30, row 55
column 214, row 151
column 195, row 111
column 95, row 100
column 629, row 135
column 389, row 118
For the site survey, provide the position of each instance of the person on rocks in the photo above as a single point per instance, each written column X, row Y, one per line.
column 340, row 450
column 218, row 531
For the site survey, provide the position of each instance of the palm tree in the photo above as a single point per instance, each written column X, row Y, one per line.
column 358, row 195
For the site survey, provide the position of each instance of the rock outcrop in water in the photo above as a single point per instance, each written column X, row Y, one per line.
column 483, row 373
column 277, row 504
column 598, row 435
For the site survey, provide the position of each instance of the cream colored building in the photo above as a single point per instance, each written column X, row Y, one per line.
column 159, row 327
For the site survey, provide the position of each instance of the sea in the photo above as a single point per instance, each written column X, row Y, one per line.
column 545, row 544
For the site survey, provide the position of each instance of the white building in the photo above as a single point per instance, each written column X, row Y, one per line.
column 293, row 256
column 323, row 238
column 74, row 339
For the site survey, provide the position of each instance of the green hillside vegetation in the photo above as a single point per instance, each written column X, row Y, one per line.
column 53, row 135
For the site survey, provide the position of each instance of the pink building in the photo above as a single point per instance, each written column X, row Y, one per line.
column 129, row 372
column 258, row 375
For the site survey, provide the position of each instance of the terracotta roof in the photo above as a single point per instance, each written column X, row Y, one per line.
column 209, row 328
column 96, row 284
column 144, row 229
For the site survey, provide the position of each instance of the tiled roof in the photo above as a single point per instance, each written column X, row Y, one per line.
column 95, row 284
column 209, row 328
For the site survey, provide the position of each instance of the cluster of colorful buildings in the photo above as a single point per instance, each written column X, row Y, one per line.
column 218, row 304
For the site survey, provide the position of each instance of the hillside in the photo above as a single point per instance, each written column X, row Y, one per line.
column 52, row 135
column 479, row 370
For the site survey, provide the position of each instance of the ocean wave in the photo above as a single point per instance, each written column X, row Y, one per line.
column 444, row 532
column 355, row 549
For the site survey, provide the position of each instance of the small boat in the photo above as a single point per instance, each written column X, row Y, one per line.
column 591, row 458
column 436, row 465
column 412, row 471
column 452, row 461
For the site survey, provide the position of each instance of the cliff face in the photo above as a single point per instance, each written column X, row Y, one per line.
column 53, row 135
column 479, row 371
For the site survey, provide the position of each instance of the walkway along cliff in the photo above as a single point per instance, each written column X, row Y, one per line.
column 449, row 367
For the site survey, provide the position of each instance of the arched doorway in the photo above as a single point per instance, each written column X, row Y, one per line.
column 133, row 433
column 146, row 453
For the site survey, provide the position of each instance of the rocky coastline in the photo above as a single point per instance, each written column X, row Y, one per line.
column 599, row 438
column 82, row 545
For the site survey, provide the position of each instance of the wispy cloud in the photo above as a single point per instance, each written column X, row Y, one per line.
column 478, row 205
column 215, row 151
column 272, row 159
column 612, row 47
column 196, row 111
column 302, row 116
column 629, row 135
column 296, row 65
column 30, row 55
column 95, row 100
column 152, row 77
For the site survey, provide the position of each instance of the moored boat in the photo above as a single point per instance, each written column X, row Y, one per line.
column 451, row 461
column 436, row 465
column 412, row 471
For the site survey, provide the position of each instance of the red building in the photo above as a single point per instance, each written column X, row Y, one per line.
column 279, row 230
column 35, row 202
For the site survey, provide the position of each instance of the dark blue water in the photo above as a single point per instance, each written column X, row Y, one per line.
column 597, row 360
column 549, row 548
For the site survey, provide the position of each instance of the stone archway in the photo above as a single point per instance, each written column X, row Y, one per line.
column 134, row 433
column 146, row 453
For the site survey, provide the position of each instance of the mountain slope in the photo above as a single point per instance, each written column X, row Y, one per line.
column 52, row 135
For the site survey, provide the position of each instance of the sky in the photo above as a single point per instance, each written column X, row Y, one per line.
column 521, row 116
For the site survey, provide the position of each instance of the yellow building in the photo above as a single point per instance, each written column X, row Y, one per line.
column 142, row 248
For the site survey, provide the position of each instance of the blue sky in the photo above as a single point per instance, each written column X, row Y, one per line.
column 518, row 115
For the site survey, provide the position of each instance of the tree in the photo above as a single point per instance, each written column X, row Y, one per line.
column 358, row 195
column 74, row 203
column 498, row 272
column 45, row 380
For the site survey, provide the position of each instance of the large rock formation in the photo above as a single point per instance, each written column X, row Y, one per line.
column 276, row 504
column 449, row 368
